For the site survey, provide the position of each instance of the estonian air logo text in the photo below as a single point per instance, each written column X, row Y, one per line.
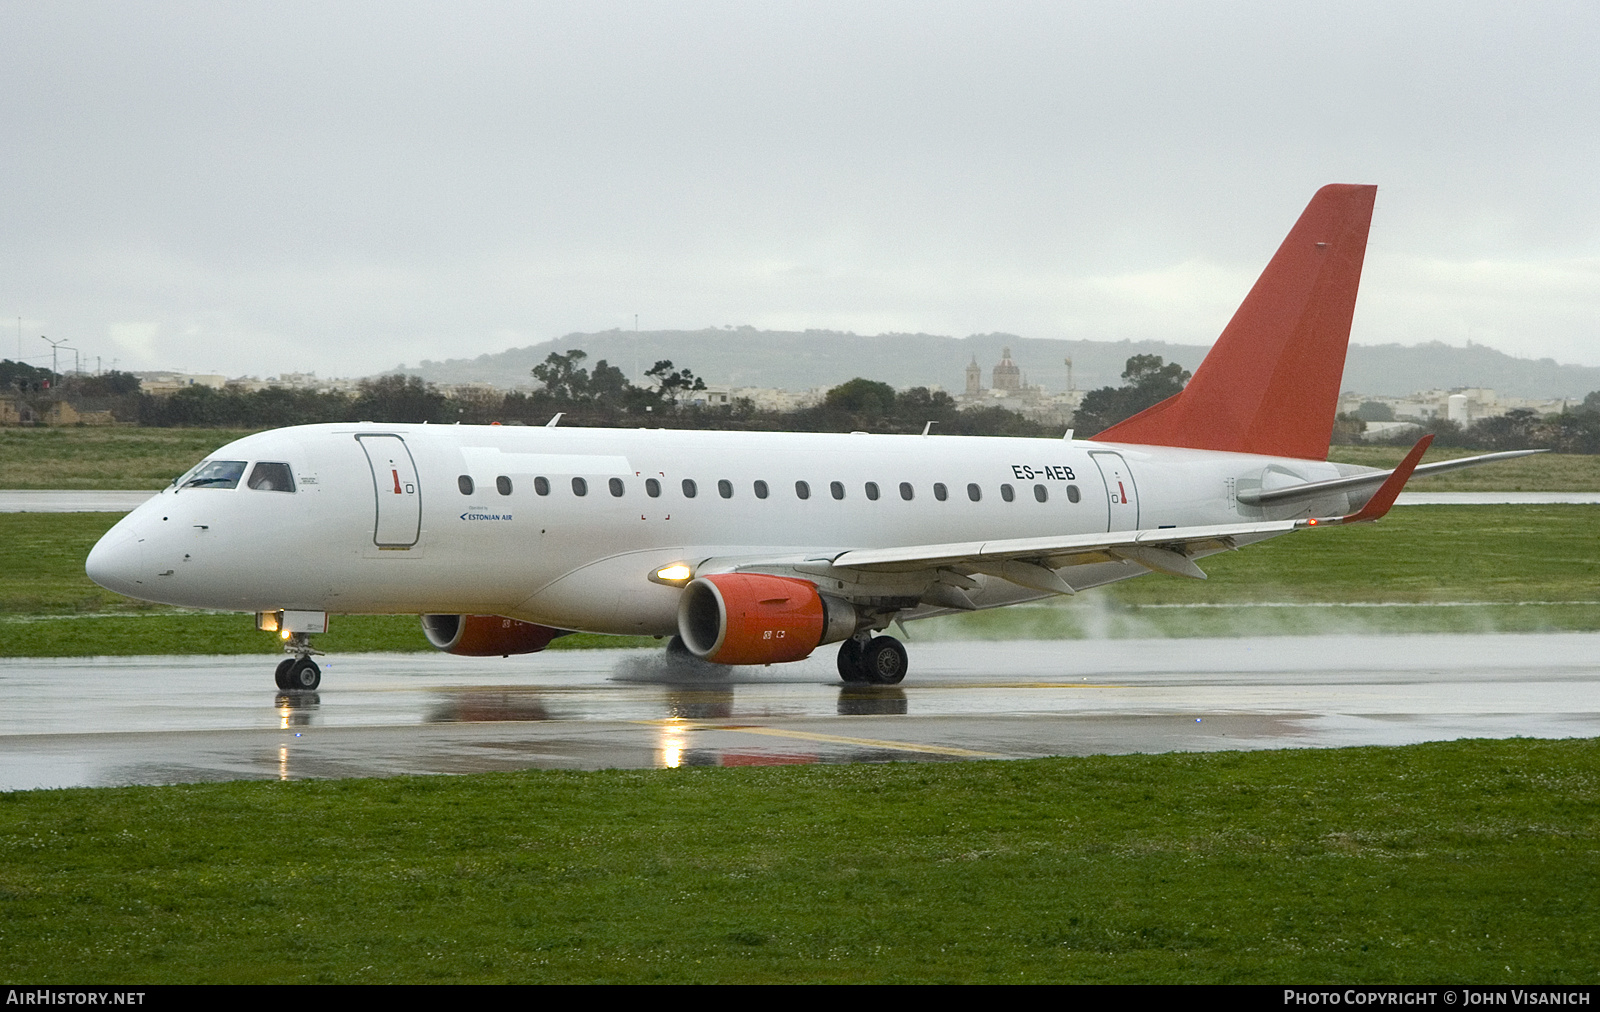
column 486, row 516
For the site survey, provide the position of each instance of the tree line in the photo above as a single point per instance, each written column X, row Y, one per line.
column 604, row 396
column 583, row 396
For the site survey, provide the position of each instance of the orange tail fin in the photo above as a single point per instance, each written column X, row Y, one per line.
column 1270, row 384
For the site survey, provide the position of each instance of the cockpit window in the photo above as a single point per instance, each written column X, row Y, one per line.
column 216, row 474
column 270, row 476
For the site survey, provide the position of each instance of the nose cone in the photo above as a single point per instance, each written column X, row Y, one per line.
column 116, row 562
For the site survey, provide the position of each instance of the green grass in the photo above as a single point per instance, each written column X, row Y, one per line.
column 1493, row 554
column 1472, row 861
column 1539, row 558
column 123, row 457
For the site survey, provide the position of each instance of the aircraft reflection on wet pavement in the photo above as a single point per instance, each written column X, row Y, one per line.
column 94, row 721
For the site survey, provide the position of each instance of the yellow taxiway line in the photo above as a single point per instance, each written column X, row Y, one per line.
column 836, row 739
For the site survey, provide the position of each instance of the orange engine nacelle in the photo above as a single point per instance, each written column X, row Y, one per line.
column 486, row 635
column 752, row 618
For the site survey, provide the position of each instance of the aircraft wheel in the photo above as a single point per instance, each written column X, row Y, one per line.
column 304, row 675
column 850, row 668
column 884, row 661
column 281, row 676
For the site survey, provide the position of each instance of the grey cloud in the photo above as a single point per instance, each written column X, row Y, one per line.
column 341, row 187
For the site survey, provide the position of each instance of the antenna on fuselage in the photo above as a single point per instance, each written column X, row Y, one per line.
column 927, row 430
column 552, row 422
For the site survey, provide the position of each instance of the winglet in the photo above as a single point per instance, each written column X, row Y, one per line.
column 1382, row 499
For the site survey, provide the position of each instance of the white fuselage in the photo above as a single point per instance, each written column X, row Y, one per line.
column 378, row 521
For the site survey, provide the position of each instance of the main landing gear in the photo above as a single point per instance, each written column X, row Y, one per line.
column 298, row 673
column 872, row 660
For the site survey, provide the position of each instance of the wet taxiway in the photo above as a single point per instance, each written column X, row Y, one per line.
column 145, row 720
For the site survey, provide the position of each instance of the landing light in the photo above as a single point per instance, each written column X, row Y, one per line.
column 675, row 575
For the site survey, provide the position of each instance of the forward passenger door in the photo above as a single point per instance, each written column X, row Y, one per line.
column 398, row 521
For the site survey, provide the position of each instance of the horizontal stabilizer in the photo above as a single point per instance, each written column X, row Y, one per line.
column 1313, row 489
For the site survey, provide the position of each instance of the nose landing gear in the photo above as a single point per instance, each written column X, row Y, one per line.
column 298, row 673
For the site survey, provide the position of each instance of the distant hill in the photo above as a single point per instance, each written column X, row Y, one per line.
column 799, row 360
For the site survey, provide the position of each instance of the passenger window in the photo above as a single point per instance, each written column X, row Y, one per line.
column 761, row 489
column 502, row 485
column 802, row 490
column 541, row 485
column 940, row 492
column 836, row 489
column 464, row 483
column 1008, row 493
column 725, row 488
column 906, row 491
column 872, row 491
column 271, row 477
column 652, row 488
column 1073, row 495
column 974, row 493
column 689, row 488
column 1041, row 493
column 580, row 487
column 216, row 474
column 615, row 485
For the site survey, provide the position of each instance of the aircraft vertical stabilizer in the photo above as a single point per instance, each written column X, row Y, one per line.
column 1270, row 384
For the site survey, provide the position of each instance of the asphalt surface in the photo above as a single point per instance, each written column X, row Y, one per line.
column 153, row 720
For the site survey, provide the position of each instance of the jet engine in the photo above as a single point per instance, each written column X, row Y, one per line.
column 486, row 635
column 753, row 618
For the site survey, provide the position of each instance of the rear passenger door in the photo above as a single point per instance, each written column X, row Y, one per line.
column 1122, row 496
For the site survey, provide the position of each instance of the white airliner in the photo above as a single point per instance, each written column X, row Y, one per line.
column 759, row 547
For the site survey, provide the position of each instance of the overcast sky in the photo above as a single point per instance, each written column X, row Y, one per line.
column 250, row 188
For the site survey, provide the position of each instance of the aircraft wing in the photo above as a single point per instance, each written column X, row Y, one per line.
column 1168, row 549
column 1032, row 562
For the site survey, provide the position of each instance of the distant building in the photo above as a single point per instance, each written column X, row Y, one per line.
column 15, row 411
column 1008, row 388
column 761, row 398
column 160, row 383
column 1463, row 405
column 470, row 391
column 1006, row 375
column 295, row 381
